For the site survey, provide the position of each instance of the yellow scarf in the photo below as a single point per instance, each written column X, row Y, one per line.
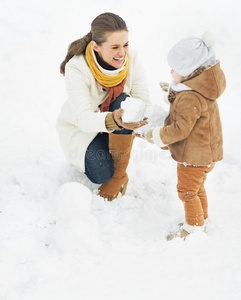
column 113, row 84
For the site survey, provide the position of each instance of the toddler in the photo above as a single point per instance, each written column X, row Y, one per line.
column 193, row 130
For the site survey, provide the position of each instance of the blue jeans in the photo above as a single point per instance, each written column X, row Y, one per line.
column 98, row 161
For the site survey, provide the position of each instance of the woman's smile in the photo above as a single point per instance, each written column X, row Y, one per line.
column 119, row 60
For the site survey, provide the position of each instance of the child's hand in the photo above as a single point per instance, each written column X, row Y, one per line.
column 145, row 136
column 164, row 86
column 149, row 137
column 139, row 135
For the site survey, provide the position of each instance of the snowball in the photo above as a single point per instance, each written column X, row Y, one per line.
column 156, row 116
column 134, row 110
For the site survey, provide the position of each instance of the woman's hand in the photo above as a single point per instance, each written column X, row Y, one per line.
column 131, row 126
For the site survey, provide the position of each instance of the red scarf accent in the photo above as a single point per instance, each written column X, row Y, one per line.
column 114, row 92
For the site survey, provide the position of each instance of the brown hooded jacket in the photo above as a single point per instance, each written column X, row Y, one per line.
column 193, row 129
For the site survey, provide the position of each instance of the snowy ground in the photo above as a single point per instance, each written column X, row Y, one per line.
column 58, row 239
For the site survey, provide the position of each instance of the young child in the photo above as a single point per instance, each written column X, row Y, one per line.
column 193, row 130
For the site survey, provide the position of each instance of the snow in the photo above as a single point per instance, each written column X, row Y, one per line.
column 59, row 239
column 133, row 110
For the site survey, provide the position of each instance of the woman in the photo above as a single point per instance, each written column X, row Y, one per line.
column 100, row 74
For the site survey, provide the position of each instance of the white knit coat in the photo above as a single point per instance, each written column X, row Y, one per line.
column 80, row 119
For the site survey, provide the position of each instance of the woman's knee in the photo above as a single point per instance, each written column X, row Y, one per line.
column 98, row 161
column 99, row 172
column 117, row 103
column 99, row 166
column 99, row 178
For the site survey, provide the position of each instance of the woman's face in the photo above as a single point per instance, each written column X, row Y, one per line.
column 114, row 50
column 176, row 77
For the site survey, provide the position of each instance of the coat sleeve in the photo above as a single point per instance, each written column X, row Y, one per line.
column 188, row 111
column 78, row 91
column 139, row 88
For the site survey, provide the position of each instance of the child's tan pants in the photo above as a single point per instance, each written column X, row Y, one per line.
column 191, row 191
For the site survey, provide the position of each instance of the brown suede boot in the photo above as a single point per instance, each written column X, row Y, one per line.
column 120, row 146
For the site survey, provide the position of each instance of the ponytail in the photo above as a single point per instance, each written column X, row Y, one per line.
column 76, row 48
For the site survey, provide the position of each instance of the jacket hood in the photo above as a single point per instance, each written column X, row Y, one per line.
column 210, row 84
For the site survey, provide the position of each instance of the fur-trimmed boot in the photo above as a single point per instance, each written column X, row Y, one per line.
column 120, row 146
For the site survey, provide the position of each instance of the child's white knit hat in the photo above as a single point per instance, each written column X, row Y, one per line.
column 191, row 53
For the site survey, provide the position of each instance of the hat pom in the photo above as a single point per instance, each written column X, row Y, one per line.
column 208, row 39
